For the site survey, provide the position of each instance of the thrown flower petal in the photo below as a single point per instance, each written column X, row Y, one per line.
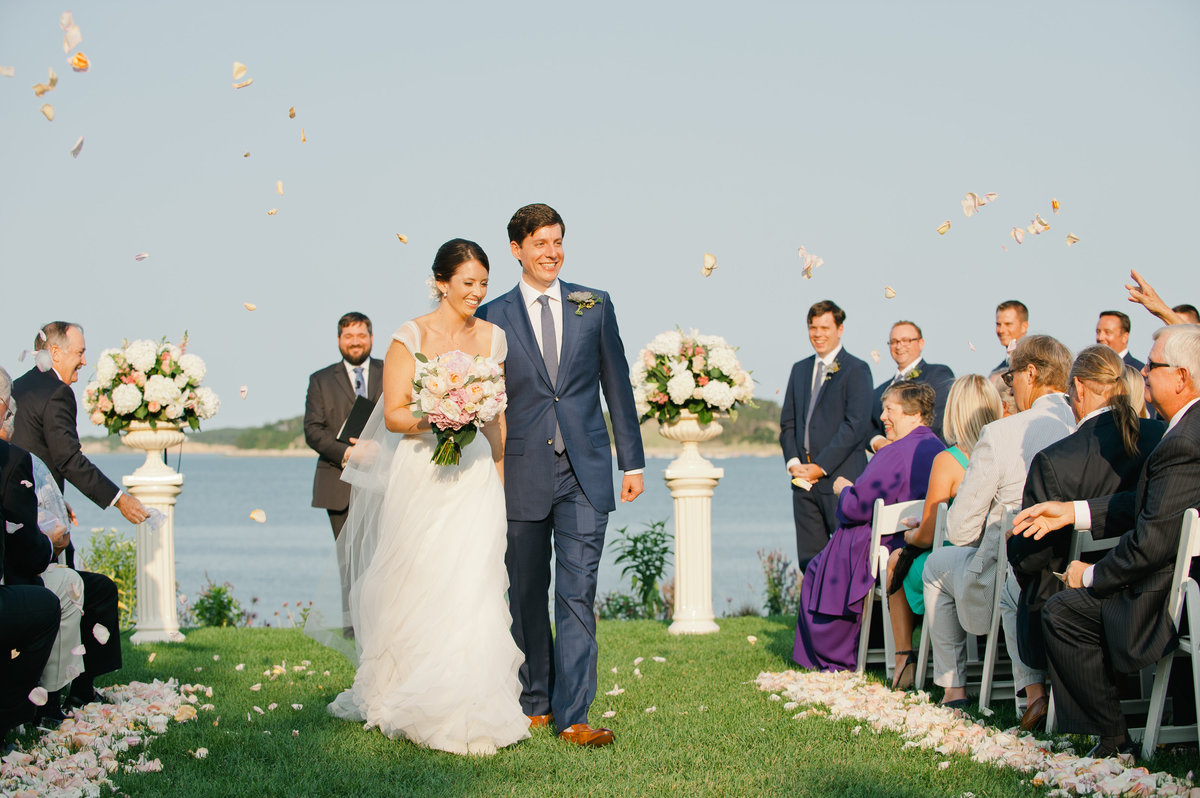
column 101, row 633
column 272, row 211
column 48, row 112
column 79, row 62
column 249, row 306
column 1018, row 235
column 944, row 228
column 403, row 238
column 303, row 138
column 875, row 355
column 239, row 70
column 1072, row 239
column 7, row 71
column 1055, row 205
column 279, row 187
column 15, row 654
column 710, row 263
column 243, row 84
column 76, row 147
column 71, row 34
column 38, row 696
column 259, row 516
column 292, row 112
column 243, row 391
column 889, row 292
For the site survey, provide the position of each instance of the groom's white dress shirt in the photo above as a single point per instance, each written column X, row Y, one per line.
column 827, row 361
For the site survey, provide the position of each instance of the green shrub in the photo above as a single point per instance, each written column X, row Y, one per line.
column 216, row 606
column 646, row 555
column 114, row 555
column 783, row 585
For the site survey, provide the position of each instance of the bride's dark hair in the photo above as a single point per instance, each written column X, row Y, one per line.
column 455, row 253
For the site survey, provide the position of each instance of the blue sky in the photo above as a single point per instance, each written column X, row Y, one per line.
column 660, row 131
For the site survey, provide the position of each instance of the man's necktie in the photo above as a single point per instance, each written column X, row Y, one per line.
column 550, row 356
column 812, row 404
column 360, row 387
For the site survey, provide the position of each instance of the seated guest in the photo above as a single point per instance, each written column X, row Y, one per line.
column 1135, row 384
column 1120, row 623
column 838, row 578
column 961, row 580
column 973, row 403
column 1103, row 456
column 906, row 343
column 1112, row 330
column 29, row 613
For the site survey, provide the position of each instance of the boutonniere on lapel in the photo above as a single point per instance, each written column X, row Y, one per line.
column 834, row 368
column 584, row 300
column 912, row 375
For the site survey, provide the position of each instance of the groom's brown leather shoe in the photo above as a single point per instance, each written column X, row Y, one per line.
column 538, row 721
column 583, row 734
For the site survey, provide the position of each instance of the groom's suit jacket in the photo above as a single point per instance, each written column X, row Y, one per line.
column 841, row 421
column 326, row 406
column 592, row 358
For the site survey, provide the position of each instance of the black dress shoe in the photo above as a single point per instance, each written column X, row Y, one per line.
column 1103, row 751
column 51, row 715
column 74, row 701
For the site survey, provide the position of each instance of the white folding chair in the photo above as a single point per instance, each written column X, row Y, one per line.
column 885, row 520
column 1184, row 594
column 991, row 650
column 939, row 538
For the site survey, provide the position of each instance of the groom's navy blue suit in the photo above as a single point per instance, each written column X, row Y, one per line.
column 561, row 499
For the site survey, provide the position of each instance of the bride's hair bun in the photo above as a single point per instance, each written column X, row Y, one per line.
column 455, row 253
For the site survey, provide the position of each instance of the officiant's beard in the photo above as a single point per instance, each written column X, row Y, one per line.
column 357, row 360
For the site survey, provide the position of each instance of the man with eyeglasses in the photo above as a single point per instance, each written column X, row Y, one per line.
column 1115, row 619
column 906, row 345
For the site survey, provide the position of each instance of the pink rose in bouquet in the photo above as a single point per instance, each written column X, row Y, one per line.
column 458, row 394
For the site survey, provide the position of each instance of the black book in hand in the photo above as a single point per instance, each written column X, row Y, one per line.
column 352, row 427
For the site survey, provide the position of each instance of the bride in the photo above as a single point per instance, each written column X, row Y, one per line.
column 425, row 548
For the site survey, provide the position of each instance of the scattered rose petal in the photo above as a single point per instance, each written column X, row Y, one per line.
column 185, row 713
column 38, row 696
column 79, row 62
column 246, row 154
column 875, row 355
column 200, row 753
column 297, row 707
column 889, row 292
column 243, row 391
column 100, row 632
column 279, row 187
column 856, row 730
column 710, row 263
column 71, row 34
column 614, row 670
column 651, row 709
column 971, row 346
column 1072, row 239
column 259, row 516
column 48, row 112
column 612, row 713
column 79, row 650
column 637, row 672
column 150, row 659
column 1055, row 205
column 26, row 483
column 7, row 72
column 272, row 706
column 256, row 687
column 303, row 138
column 1039, row 225
column 76, row 147
column 272, row 211
column 810, row 261
column 141, row 256
column 239, row 70
column 295, row 732
column 659, row 659
column 292, row 112
column 970, row 204
column 197, row 670
column 943, row 765
column 1018, row 235
column 15, row 654
column 243, row 84
column 944, row 228
column 617, row 690
column 403, row 238
column 751, row 639
column 241, row 666
column 775, row 697
column 638, row 660
column 249, row 306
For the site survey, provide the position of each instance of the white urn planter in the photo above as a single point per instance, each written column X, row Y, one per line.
column 157, row 486
column 691, row 479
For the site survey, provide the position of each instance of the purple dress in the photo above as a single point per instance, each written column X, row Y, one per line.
column 838, row 579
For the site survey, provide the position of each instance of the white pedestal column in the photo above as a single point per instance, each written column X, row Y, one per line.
column 157, row 486
column 691, row 479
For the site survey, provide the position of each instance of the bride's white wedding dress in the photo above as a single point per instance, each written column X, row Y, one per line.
column 437, row 663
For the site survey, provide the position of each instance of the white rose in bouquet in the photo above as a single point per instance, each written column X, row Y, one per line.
column 680, row 386
column 126, row 398
column 193, row 366
column 161, row 389
column 207, row 403
column 174, row 411
column 718, row 394
column 181, row 381
column 450, row 409
column 106, row 366
column 142, row 354
column 429, row 401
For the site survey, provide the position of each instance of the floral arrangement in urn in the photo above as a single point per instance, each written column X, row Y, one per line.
column 679, row 372
column 158, row 383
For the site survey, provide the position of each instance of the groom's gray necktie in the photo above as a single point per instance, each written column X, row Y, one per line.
column 550, row 356
column 818, row 381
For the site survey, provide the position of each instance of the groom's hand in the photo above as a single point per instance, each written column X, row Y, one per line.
column 631, row 487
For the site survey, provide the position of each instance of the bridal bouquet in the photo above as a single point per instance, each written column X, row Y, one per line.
column 679, row 372
column 458, row 393
column 151, row 382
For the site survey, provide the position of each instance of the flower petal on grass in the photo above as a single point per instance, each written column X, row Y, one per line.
column 297, row 707
column 638, row 660
column 751, row 639
column 651, row 709
column 617, row 690
column 659, row 659
column 256, row 687
column 241, row 666
column 612, row 713
column 200, row 753
column 259, row 710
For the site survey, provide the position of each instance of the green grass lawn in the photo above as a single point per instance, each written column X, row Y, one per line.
column 713, row 732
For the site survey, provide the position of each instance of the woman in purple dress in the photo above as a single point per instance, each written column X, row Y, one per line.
column 839, row 578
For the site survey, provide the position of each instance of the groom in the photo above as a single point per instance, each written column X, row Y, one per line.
column 564, row 347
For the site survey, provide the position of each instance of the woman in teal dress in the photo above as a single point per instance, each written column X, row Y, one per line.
column 973, row 402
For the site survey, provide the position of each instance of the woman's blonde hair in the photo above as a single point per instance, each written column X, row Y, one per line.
column 1102, row 372
column 1136, row 384
column 973, row 403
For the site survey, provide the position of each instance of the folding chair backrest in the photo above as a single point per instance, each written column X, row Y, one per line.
column 1189, row 547
column 886, row 521
column 1083, row 542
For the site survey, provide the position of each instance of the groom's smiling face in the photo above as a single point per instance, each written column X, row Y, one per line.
column 541, row 256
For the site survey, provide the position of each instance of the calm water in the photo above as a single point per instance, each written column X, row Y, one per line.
column 290, row 558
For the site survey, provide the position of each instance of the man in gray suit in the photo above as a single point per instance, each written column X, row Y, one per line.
column 332, row 391
column 961, row 580
column 1115, row 619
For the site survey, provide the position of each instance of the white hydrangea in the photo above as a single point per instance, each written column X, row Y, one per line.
column 743, row 386
column 666, row 343
column 640, row 401
column 725, row 359
column 680, row 386
column 161, row 389
column 175, row 351
column 718, row 394
column 207, row 403
column 193, row 367
column 709, row 341
column 142, row 354
column 106, row 366
column 181, row 381
column 126, row 398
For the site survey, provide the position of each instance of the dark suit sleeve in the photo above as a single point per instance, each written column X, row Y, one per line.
column 856, row 422
column 940, row 380
column 877, row 427
column 1113, row 515
column 1026, row 555
column 787, row 419
column 618, row 393
column 1173, row 472
column 320, row 428
column 29, row 551
column 62, row 443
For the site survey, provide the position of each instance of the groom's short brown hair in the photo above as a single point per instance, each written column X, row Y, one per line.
column 531, row 218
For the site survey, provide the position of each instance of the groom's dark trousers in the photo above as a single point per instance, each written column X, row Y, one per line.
column 576, row 530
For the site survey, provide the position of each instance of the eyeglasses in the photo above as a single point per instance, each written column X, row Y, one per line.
column 1151, row 366
column 898, row 341
column 1007, row 377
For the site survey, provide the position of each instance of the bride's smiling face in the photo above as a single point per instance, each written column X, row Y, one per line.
column 467, row 287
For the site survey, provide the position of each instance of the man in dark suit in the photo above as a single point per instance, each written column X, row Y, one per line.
column 825, row 419
column 332, row 391
column 563, row 348
column 906, row 343
column 1115, row 619
column 1112, row 330
column 29, row 613
column 46, row 427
